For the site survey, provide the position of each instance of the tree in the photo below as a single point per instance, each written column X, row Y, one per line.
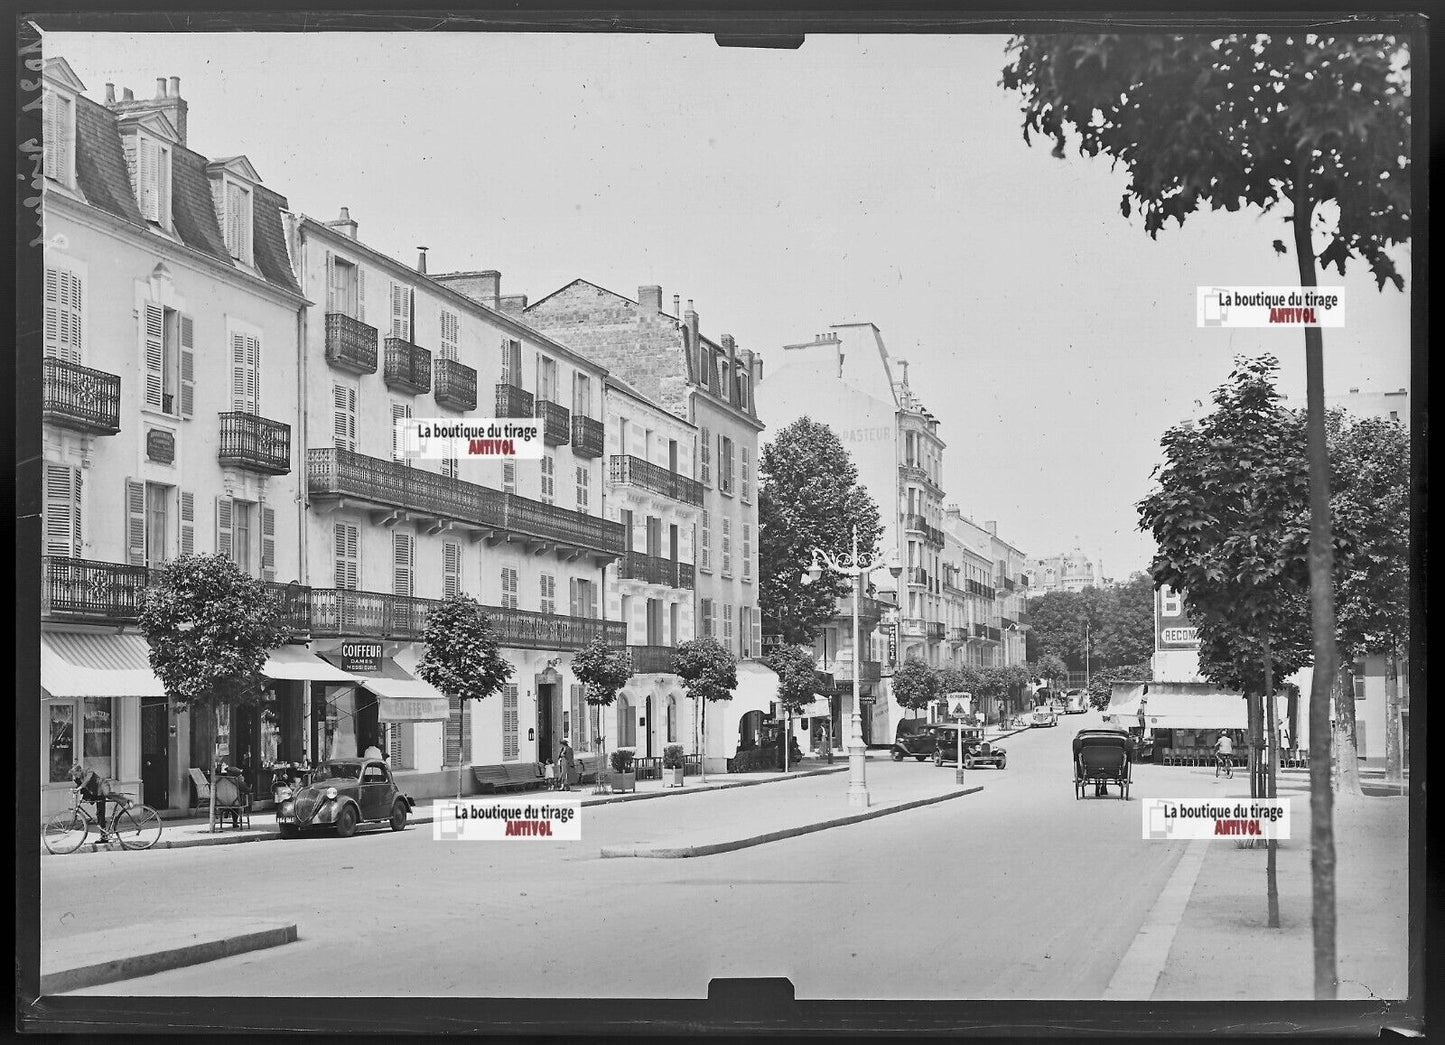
column 916, row 685
column 709, row 672
column 603, row 670
column 808, row 497
column 1056, row 627
column 209, row 627
column 1101, row 685
column 992, row 687
column 1247, row 119
column 461, row 655
column 1124, row 633
column 797, row 685
column 1051, row 669
column 1231, row 539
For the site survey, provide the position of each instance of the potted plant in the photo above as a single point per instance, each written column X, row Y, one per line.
column 672, row 765
column 622, row 778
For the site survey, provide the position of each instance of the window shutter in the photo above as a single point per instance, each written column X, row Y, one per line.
column 361, row 293
column 401, row 563
column 579, row 726
column 344, row 413
column 451, row 569
column 592, row 600
column 62, row 510
column 573, row 607
column 188, row 523
column 218, row 203
column 135, row 522
column 52, row 134
column 398, row 310
column 333, row 294
column 399, row 412
column 705, row 444
column 224, row 544
column 154, row 342
column 268, row 543
column 149, row 196
column 757, row 633
column 188, row 366
column 63, row 314
column 238, row 372
column 253, row 368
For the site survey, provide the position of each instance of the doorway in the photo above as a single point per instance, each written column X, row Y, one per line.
column 546, row 722
column 155, row 753
column 647, row 726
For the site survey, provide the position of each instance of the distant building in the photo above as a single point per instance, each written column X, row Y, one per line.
column 1067, row 571
column 1387, row 406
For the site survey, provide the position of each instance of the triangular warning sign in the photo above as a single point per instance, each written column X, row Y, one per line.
column 958, row 710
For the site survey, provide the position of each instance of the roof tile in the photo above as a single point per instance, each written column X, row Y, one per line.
column 269, row 240
column 193, row 209
column 100, row 167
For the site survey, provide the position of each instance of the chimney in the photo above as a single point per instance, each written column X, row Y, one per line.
column 483, row 287
column 650, row 299
column 175, row 87
column 677, row 305
column 421, row 259
column 903, row 365
column 128, row 95
column 110, row 94
column 344, row 224
column 730, row 348
column 992, row 527
column 689, row 318
column 160, row 88
column 1354, row 391
column 512, row 304
column 168, row 101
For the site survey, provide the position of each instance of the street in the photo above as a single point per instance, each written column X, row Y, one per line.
column 1018, row 891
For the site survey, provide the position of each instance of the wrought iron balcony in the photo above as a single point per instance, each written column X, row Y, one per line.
column 456, row 384
column 338, row 612
column 586, row 436
column 919, row 524
column 294, row 602
column 1008, row 584
column 654, row 569
column 869, row 671
column 625, row 470
column 513, row 401
column 958, row 634
column 919, row 475
column 83, row 590
column 408, row 366
column 556, row 422
column 936, row 630
column 350, row 343
column 983, row 631
column 80, row 398
column 526, row 629
column 255, row 443
column 870, row 611
column 916, row 575
column 389, row 486
column 651, row 660
column 912, row 626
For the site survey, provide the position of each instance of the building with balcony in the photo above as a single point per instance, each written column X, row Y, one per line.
column 1067, row 571
column 390, row 536
column 168, row 377
column 665, row 359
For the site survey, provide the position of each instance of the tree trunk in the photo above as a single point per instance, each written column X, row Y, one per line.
column 1272, row 753
column 702, row 758
column 1322, row 616
column 215, row 750
column 1252, row 710
column 1394, row 762
column 1347, row 749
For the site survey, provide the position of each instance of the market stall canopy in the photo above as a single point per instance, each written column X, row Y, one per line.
column 85, row 664
column 297, row 662
column 400, row 695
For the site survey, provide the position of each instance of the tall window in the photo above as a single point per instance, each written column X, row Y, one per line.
column 346, row 289
column 348, row 555
column 168, row 352
column 245, row 373
column 510, row 746
column 745, row 631
column 582, row 394
column 150, row 161
column 747, row 552
column 746, row 470
column 727, row 547
column 451, row 569
column 548, row 593
column 241, row 523
column 81, row 731
column 705, row 609
column 744, row 391
column 399, row 412
column 704, row 444
column 343, row 414
column 148, row 523
column 512, row 362
column 671, row 720
column 237, row 223
column 64, row 299
column 584, row 488
column 727, row 635
column 549, row 479
column 582, row 598
column 62, row 510
column 509, row 588
column 626, row 722
column 704, row 544
column 546, row 378
column 400, row 311
column 580, row 719
column 449, row 335
column 402, row 558
column 724, row 464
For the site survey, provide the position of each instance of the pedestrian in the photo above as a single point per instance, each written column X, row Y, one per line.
column 238, row 775
column 564, row 766
column 94, row 789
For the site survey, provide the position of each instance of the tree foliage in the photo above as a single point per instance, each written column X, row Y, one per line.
column 808, row 497
column 1051, row 668
column 1101, row 684
column 1115, row 623
column 209, row 627
column 1235, row 120
column 797, row 678
column 916, row 685
column 707, row 669
column 462, row 653
column 603, row 670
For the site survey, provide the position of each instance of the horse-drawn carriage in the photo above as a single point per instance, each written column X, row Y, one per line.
column 1102, row 757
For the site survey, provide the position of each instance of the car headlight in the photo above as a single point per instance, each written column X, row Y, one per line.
column 331, row 792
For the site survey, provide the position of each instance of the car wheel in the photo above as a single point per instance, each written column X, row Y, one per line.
column 289, row 831
column 346, row 822
column 398, row 815
column 897, row 755
column 1002, row 761
column 937, row 759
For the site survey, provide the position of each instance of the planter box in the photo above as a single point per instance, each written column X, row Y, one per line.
column 672, row 776
column 622, row 781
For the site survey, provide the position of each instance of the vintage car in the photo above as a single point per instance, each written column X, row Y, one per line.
column 976, row 750
column 1044, row 716
column 343, row 793
column 916, row 742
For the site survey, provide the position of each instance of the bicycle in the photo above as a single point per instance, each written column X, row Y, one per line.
column 1224, row 762
column 135, row 825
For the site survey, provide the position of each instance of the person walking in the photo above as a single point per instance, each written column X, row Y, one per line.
column 564, row 766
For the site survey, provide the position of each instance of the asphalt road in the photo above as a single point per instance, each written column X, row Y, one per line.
column 1019, row 891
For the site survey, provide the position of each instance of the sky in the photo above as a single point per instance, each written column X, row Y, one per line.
column 877, row 179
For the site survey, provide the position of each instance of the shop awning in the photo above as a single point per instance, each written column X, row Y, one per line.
column 821, row 707
column 297, row 662
column 1124, row 701
column 400, row 695
column 84, row 664
column 1208, row 710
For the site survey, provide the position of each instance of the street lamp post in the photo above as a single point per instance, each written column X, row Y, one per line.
column 855, row 566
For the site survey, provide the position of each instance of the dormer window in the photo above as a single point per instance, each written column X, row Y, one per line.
column 59, row 137
column 237, row 227
column 153, row 179
column 233, row 192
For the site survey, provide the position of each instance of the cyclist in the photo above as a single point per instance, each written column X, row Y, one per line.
column 95, row 789
column 1223, row 752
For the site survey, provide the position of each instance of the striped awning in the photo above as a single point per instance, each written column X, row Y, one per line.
column 96, row 664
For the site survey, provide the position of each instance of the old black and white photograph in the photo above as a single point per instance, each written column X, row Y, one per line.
column 918, row 518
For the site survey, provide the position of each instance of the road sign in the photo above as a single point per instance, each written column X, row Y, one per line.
column 958, row 709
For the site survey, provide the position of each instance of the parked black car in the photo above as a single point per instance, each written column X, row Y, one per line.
column 343, row 794
column 919, row 745
column 976, row 750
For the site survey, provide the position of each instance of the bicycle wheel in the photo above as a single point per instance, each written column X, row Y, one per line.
column 65, row 832
column 138, row 827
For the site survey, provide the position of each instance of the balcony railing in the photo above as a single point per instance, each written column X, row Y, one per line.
column 625, row 470
column 917, row 575
column 980, row 589
column 1007, row 623
column 513, row 401
column 255, row 443
column 586, row 436
column 456, row 384
column 958, row 634
column 339, row 612
column 350, row 343
column 919, row 475
column 870, row 611
column 80, row 398
column 526, row 629
column 333, row 472
column 936, row 630
column 294, row 602
column 1023, row 620
column 919, row 524
column 913, row 626
column 650, row 660
column 654, row 569
column 556, row 422
column 1008, row 584
column 995, row 634
column 869, row 671
column 408, row 366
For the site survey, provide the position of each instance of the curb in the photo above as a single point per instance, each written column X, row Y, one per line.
column 606, row 800
column 683, row 852
column 129, row 968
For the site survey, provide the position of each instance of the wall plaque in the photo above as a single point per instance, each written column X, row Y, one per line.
column 361, row 657
column 161, row 445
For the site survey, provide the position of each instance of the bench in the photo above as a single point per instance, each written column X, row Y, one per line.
column 507, row 777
